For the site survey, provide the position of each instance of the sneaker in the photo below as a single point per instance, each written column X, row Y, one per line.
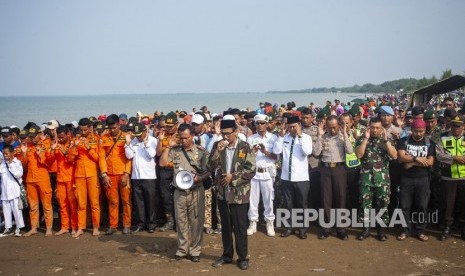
column 18, row 232
column 252, row 228
column 217, row 231
column 270, row 228
column 8, row 232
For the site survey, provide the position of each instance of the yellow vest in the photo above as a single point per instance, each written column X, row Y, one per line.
column 456, row 147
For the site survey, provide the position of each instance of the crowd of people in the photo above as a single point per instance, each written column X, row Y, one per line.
column 207, row 173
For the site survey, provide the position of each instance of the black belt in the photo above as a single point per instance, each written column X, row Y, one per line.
column 262, row 170
column 332, row 165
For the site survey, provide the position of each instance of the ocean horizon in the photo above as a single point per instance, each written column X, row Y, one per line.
column 18, row 110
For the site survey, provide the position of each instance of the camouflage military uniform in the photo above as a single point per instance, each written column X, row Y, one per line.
column 374, row 178
column 233, row 198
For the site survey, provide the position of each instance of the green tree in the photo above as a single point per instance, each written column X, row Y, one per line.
column 446, row 74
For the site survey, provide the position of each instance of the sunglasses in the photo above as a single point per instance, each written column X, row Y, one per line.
column 260, row 123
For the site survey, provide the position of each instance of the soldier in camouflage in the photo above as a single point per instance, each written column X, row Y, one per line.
column 433, row 133
column 374, row 150
column 234, row 167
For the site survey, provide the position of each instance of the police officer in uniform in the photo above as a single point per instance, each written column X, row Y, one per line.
column 189, row 204
column 450, row 152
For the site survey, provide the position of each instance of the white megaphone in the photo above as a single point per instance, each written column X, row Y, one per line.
column 184, row 180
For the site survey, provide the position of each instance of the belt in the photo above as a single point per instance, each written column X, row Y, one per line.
column 332, row 165
column 194, row 187
column 262, row 170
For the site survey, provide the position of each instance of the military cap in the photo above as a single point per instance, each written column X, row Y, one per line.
column 23, row 134
column 430, row 114
column 324, row 112
column 171, row 118
column 385, row 109
column 458, row 119
column 34, row 130
column 139, row 129
column 354, row 111
column 92, row 119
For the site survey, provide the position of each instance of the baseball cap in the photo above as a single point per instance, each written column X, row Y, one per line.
column 197, row 119
column 123, row 116
column 6, row 131
column 171, row 118
column 52, row 124
column 34, row 130
column 429, row 114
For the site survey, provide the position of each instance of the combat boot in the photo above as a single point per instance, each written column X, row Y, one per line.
column 444, row 234
column 270, row 228
column 168, row 225
column 252, row 228
column 365, row 233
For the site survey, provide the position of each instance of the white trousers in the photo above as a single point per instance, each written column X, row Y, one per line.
column 267, row 191
column 10, row 210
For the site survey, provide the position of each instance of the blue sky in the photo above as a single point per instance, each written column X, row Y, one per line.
column 101, row 47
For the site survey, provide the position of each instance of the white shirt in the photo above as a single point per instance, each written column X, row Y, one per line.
column 10, row 188
column 230, row 155
column 261, row 160
column 301, row 150
column 143, row 158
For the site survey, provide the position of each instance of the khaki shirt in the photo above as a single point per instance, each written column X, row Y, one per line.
column 197, row 154
column 333, row 149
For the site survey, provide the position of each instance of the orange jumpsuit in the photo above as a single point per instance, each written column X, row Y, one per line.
column 87, row 164
column 117, row 166
column 65, row 186
column 38, row 184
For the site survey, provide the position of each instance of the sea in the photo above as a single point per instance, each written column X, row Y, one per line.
column 18, row 110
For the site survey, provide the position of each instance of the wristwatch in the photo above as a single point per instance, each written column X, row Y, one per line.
column 414, row 159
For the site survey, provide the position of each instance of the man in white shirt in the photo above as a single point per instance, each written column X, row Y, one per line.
column 142, row 150
column 262, row 144
column 295, row 146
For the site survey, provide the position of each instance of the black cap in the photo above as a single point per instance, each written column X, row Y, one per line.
column 228, row 124
column 139, row 129
column 293, row 120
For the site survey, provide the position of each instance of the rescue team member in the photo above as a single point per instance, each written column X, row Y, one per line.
column 189, row 205
column 450, row 152
column 65, row 181
column 89, row 157
column 37, row 181
column 234, row 164
column 116, row 182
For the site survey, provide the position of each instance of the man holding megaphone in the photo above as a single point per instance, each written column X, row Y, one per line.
column 190, row 170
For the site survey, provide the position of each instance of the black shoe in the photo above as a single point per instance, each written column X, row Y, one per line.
column 195, row 259
column 302, row 234
column 178, row 258
column 138, row 229
column 244, row 265
column 151, row 230
column 168, row 226
column 221, row 261
column 365, row 233
column 126, row 231
column 323, row 234
column 444, row 234
column 342, row 235
column 110, row 231
column 462, row 235
column 286, row 233
column 381, row 235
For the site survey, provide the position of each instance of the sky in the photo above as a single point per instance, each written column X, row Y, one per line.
column 87, row 47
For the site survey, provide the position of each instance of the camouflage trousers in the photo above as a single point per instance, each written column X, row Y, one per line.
column 208, row 209
column 374, row 194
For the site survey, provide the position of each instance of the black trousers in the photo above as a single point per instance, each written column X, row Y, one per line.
column 167, row 190
column 295, row 195
column 333, row 189
column 453, row 201
column 353, row 188
column 143, row 191
column 234, row 220
column 315, row 188
column 414, row 196
column 394, row 175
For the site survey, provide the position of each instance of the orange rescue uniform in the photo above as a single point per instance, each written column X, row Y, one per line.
column 87, row 164
column 117, row 166
column 65, row 189
column 38, row 184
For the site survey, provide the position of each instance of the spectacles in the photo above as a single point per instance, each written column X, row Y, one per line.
column 260, row 123
column 226, row 133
